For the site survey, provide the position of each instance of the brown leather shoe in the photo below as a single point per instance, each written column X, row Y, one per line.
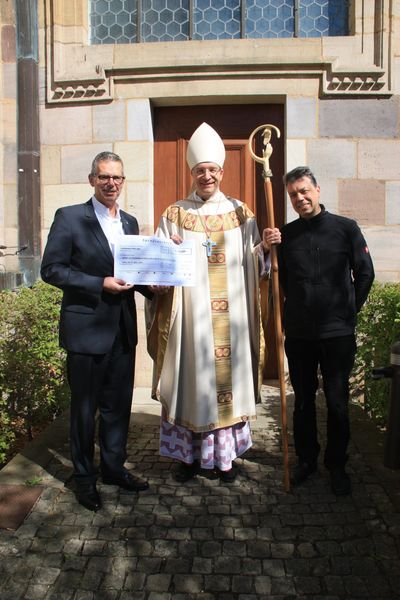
column 126, row 481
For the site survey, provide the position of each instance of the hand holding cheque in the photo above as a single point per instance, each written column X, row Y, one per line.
column 148, row 260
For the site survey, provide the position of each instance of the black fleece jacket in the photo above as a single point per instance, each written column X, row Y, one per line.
column 326, row 272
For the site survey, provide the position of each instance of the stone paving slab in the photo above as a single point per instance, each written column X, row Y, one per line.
column 205, row 540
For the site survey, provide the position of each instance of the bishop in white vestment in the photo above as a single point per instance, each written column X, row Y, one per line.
column 207, row 340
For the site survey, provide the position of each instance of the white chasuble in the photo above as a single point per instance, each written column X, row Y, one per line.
column 206, row 341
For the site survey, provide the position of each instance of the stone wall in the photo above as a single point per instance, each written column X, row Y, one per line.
column 8, row 144
column 341, row 99
column 340, row 96
column 353, row 146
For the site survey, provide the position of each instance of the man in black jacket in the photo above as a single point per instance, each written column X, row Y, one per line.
column 326, row 272
column 97, row 328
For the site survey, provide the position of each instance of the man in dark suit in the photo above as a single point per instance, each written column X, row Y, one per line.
column 97, row 328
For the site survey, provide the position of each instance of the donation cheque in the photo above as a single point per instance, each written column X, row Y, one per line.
column 148, row 260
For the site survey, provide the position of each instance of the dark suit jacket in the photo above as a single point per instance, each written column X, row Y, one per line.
column 76, row 259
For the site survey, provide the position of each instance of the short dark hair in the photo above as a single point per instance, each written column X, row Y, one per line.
column 298, row 173
column 106, row 155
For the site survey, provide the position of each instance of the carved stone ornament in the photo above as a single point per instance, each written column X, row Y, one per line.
column 357, row 65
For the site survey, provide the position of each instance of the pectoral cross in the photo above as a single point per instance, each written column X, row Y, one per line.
column 209, row 246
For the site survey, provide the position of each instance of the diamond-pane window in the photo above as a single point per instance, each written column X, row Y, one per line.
column 117, row 21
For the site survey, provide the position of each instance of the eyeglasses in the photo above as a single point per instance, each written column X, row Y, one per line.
column 118, row 179
column 201, row 171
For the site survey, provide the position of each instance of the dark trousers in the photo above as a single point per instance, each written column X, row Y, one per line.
column 102, row 382
column 335, row 358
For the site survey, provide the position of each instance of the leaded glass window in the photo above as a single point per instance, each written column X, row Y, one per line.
column 270, row 18
column 216, row 19
column 113, row 21
column 126, row 21
column 164, row 20
column 322, row 18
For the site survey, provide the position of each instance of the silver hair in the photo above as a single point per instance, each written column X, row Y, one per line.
column 104, row 156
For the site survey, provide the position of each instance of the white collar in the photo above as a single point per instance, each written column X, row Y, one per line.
column 102, row 210
column 217, row 197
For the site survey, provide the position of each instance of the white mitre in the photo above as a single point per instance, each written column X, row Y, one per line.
column 205, row 145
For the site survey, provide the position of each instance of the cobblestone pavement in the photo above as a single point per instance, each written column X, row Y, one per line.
column 205, row 540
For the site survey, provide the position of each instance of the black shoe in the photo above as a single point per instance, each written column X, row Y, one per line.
column 301, row 472
column 89, row 497
column 126, row 481
column 210, row 474
column 340, row 482
column 184, row 472
column 229, row 476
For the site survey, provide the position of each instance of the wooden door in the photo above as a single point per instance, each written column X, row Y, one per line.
column 173, row 127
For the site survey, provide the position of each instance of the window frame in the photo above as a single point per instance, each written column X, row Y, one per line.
column 139, row 38
column 353, row 66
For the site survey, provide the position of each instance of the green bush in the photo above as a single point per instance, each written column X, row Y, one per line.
column 378, row 327
column 7, row 436
column 33, row 387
